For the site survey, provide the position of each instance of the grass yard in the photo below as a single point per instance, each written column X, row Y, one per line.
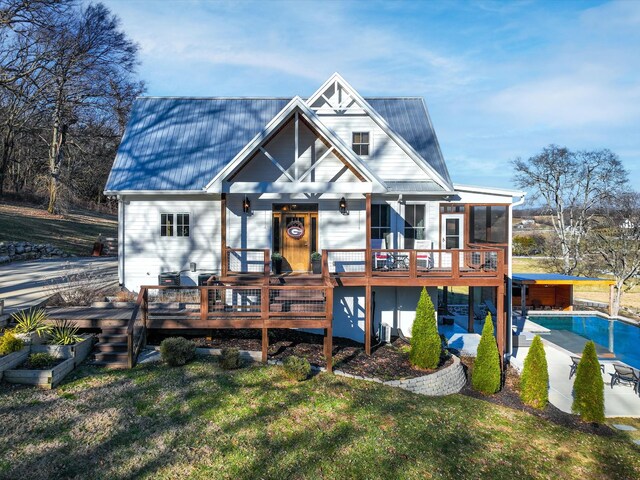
column 198, row 422
column 74, row 232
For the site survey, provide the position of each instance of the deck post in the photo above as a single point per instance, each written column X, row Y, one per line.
column 500, row 327
column 204, row 304
column 267, row 266
column 328, row 331
column 264, row 316
column 471, row 314
column 367, row 257
column 223, row 235
column 367, row 319
column 265, row 344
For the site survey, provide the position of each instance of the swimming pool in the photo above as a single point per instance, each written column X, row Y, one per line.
column 620, row 338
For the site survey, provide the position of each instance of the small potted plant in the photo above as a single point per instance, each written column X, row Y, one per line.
column 276, row 262
column 316, row 262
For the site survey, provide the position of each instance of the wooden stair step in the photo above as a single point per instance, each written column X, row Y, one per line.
column 112, row 338
column 111, row 347
column 118, row 357
column 109, row 364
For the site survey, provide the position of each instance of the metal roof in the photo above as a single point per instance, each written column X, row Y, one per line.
column 180, row 144
column 412, row 187
column 555, row 279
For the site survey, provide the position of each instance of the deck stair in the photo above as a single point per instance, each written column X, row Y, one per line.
column 111, row 349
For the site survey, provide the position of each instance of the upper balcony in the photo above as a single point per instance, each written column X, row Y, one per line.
column 477, row 266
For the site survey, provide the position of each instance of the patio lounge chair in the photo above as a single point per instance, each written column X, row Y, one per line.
column 575, row 360
column 625, row 374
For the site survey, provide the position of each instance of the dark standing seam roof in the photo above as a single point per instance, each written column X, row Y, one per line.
column 183, row 143
column 408, row 117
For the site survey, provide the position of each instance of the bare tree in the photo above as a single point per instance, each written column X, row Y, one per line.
column 571, row 185
column 615, row 241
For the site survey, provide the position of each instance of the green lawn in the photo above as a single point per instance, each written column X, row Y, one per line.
column 74, row 232
column 197, row 422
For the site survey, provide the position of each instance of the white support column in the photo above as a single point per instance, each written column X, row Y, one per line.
column 121, row 227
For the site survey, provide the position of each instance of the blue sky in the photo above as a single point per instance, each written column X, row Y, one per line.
column 501, row 80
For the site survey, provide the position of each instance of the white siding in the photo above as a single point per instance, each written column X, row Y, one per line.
column 146, row 253
column 386, row 158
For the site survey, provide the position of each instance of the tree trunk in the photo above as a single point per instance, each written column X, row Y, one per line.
column 7, row 146
column 55, row 160
column 617, row 298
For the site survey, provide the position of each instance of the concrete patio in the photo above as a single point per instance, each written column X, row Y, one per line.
column 619, row 401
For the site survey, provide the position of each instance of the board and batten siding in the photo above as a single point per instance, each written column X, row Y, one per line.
column 145, row 254
column 386, row 158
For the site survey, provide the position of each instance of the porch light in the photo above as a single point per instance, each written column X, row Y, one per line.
column 343, row 205
column 246, row 205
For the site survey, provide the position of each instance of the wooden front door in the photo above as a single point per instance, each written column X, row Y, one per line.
column 296, row 246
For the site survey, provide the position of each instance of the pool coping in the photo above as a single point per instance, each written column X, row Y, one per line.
column 581, row 313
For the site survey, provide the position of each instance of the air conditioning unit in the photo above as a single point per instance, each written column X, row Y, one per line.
column 385, row 333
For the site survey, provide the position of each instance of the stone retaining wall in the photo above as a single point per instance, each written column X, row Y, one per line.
column 13, row 251
column 447, row 381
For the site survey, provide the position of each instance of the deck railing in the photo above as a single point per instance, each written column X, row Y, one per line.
column 228, row 306
column 458, row 263
column 252, row 261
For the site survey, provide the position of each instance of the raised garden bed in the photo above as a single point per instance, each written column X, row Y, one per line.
column 11, row 360
column 77, row 351
column 45, row 378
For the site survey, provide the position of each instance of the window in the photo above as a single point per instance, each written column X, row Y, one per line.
column 360, row 143
column 414, row 222
column 380, row 221
column 174, row 225
column 489, row 224
column 451, row 208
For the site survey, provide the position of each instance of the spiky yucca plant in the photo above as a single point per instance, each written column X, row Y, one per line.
column 64, row 332
column 31, row 321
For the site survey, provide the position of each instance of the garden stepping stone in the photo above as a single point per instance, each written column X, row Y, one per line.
column 624, row 428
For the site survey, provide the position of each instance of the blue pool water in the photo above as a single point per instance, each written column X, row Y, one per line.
column 620, row 338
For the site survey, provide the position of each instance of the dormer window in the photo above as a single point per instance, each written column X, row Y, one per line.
column 360, row 143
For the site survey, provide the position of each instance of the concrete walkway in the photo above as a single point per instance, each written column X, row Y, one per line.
column 619, row 401
column 23, row 284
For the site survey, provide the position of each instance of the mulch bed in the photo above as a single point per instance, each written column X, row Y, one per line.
column 509, row 397
column 387, row 362
column 27, row 366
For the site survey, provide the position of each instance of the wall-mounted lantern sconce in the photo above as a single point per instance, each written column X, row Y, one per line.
column 343, row 205
column 246, row 205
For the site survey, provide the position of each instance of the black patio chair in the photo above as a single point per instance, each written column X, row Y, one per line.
column 574, row 366
column 624, row 374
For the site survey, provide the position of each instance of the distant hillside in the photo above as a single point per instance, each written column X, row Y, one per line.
column 74, row 232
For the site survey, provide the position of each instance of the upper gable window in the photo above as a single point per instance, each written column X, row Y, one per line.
column 360, row 143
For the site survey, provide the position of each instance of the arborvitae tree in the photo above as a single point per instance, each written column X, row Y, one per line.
column 425, row 341
column 588, row 389
column 486, row 369
column 535, row 376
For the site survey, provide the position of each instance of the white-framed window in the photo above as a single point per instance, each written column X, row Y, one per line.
column 414, row 224
column 360, row 142
column 175, row 225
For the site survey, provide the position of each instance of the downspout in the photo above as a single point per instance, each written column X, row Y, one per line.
column 121, row 227
column 509, row 278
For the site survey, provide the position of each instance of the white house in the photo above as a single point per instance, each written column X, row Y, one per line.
column 223, row 183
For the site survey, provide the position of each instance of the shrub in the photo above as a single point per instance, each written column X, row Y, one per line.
column 64, row 332
column 425, row 341
column 41, row 360
column 588, row 389
column 535, row 376
column 486, row 374
column 9, row 343
column 177, row 351
column 31, row 321
column 230, row 358
column 297, row 368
